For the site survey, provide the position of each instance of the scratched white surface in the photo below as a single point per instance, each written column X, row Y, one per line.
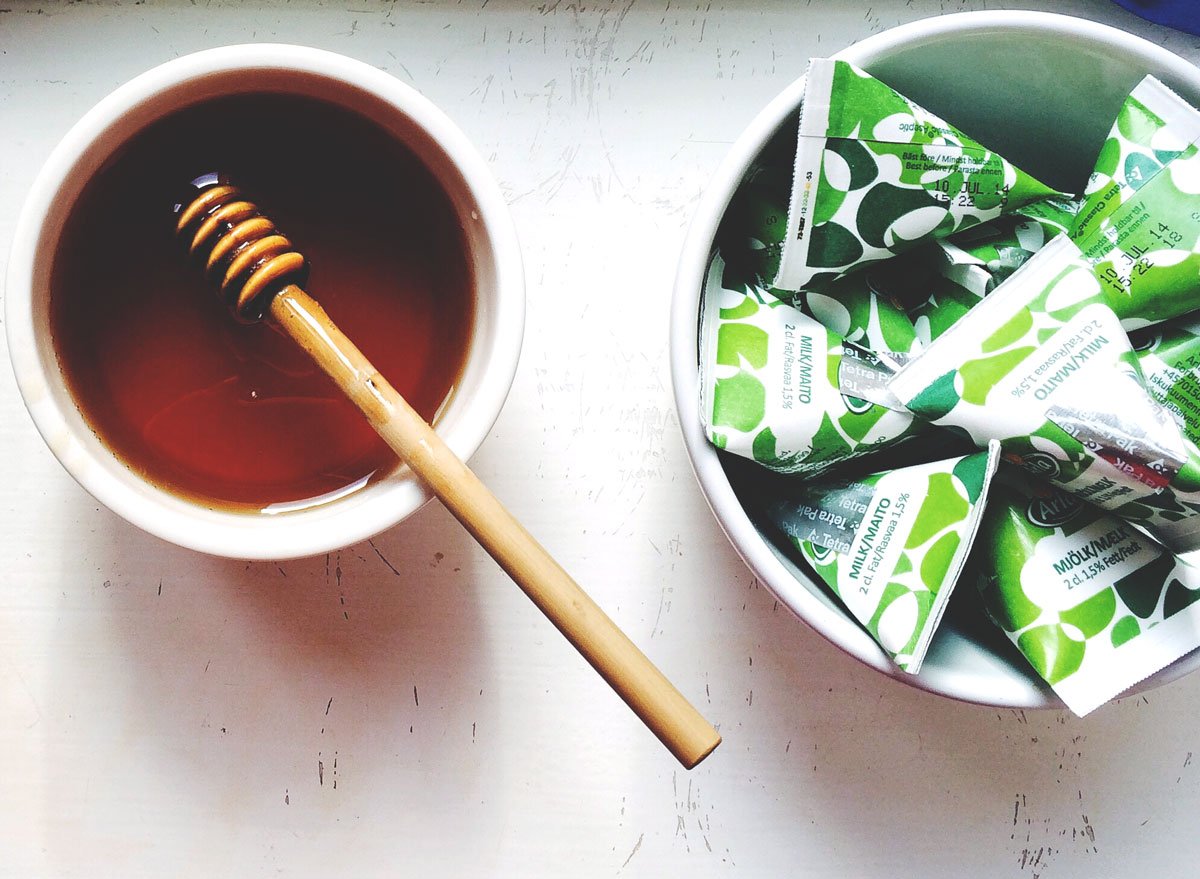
column 398, row 708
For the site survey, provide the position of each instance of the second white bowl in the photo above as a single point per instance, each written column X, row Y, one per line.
column 1040, row 89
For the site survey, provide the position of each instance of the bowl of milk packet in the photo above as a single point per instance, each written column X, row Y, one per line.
column 935, row 348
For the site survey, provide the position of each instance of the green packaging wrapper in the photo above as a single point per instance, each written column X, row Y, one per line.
column 1043, row 365
column 875, row 175
column 891, row 545
column 1169, row 355
column 1094, row 604
column 864, row 308
column 1153, row 127
column 1139, row 225
column 872, row 307
column 963, row 268
column 779, row 388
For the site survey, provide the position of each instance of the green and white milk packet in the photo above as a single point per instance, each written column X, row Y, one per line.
column 890, row 545
column 1043, row 365
column 1092, row 603
column 1153, row 127
column 781, row 389
column 1139, row 225
column 875, row 175
column 865, row 308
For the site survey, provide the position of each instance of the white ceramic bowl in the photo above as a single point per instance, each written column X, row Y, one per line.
column 414, row 121
column 1040, row 89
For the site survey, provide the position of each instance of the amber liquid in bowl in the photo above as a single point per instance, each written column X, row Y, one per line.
column 235, row 416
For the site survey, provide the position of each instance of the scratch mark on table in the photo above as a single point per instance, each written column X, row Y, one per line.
column 383, row 558
column 662, row 600
column 636, row 846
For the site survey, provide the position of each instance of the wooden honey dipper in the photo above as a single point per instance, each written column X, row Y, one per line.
column 259, row 274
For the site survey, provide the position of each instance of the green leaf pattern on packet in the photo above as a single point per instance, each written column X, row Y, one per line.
column 860, row 309
column 864, row 308
column 876, row 175
column 1092, row 603
column 891, row 545
column 1043, row 366
column 963, row 268
column 1153, row 127
column 1150, row 265
column 1169, row 356
column 769, row 383
column 1139, row 225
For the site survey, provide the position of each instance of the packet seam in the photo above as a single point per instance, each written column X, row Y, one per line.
column 814, row 110
column 1161, row 99
column 1131, row 663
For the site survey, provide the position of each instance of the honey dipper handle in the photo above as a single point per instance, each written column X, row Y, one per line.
column 618, row 660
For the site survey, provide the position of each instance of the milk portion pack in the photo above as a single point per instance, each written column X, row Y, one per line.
column 1139, row 225
column 783, row 390
column 1043, row 365
column 876, row 175
column 891, row 545
column 1092, row 603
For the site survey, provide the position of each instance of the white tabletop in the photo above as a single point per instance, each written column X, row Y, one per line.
column 399, row 708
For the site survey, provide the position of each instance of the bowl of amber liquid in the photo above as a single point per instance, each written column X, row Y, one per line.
column 224, row 437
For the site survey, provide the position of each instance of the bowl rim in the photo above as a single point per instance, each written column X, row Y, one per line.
column 833, row 625
column 337, row 523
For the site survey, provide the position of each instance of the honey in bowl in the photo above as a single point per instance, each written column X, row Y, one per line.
column 235, row 416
